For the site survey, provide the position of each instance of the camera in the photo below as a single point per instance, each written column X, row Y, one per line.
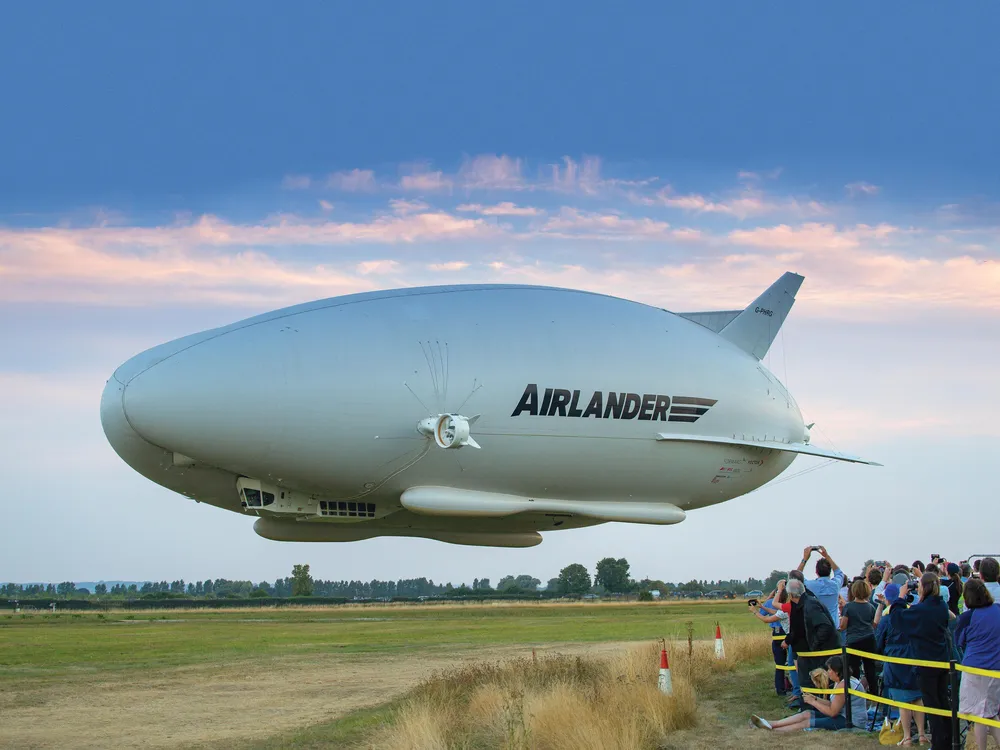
column 754, row 603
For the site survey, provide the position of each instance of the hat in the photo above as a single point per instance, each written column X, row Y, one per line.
column 954, row 569
column 891, row 592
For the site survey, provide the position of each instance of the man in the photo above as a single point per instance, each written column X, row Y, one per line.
column 826, row 585
column 989, row 571
column 810, row 629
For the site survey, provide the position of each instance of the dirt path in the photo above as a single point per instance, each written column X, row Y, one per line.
column 250, row 700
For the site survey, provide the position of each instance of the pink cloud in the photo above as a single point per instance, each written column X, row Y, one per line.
column 745, row 204
column 488, row 171
column 296, row 182
column 810, row 237
column 571, row 176
column 354, row 181
column 426, row 182
column 854, row 189
column 505, row 208
column 455, row 265
column 403, row 207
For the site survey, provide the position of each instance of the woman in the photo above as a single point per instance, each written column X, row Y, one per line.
column 978, row 635
column 858, row 624
column 926, row 625
column 954, row 588
column 778, row 620
column 899, row 680
column 823, row 713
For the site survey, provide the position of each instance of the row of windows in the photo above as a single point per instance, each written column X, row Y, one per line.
column 256, row 498
column 349, row 510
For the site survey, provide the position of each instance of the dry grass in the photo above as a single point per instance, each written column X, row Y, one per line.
column 565, row 703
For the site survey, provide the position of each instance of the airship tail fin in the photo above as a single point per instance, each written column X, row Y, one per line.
column 754, row 329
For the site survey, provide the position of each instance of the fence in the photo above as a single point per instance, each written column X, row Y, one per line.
column 952, row 666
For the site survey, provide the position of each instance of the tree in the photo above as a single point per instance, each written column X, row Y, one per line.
column 101, row 589
column 613, row 575
column 66, row 588
column 772, row 581
column 302, row 582
column 527, row 583
column 574, row 579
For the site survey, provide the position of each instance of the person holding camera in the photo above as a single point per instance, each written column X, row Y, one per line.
column 925, row 624
column 829, row 578
column 769, row 612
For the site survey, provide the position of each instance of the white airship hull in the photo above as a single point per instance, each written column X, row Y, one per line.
column 562, row 397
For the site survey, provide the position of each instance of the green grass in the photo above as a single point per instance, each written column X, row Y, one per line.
column 51, row 645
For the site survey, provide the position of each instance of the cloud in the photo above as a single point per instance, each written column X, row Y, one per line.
column 811, row 237
column 426, row 182
column 296, row 182
column 573, row 223
column 488, row 171
column 354, row 181
column 210, row 259
column 744, row 205
column 584, row 177
column 506, row 208
column 403, row 207
column 455, row 265
column 855, row 189
column 377, row 266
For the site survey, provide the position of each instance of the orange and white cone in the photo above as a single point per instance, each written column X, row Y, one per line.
column 720, row 649
column 665, row 684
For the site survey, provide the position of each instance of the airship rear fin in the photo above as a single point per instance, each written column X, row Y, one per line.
column 754, row 329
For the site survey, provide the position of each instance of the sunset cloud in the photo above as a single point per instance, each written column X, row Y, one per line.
column 505, row 208
column 354, row 181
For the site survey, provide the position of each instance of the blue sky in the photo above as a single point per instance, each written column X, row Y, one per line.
column 170, row 169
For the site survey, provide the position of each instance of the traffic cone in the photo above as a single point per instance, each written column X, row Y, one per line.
column 666, row 686
column 720, row 649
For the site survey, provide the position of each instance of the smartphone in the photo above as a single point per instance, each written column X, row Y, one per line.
column 815, row 548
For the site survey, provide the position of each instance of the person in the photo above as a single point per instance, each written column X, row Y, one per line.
column 899, row 681
column 989, row 571
column 858, row 624
column 877, row 578
column 825, row 713
column 778, row 620
column 926, row 625
column 829, row 578
column 954, row 584
column 810, row 629
column 978, row 635
column 966, row 572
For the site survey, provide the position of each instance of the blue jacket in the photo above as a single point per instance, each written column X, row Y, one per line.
column 926, row 624
column 978, row 633
column 892, row 642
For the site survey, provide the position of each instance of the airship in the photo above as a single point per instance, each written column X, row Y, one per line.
column 472, row 414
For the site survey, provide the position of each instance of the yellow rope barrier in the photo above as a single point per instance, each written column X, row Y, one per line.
column 896, row 660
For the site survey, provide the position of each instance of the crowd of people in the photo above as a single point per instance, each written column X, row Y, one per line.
column 935, row 613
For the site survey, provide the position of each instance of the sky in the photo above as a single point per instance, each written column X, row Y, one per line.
column 169, row 169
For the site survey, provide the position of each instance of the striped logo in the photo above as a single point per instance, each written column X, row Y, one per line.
column 689, row 408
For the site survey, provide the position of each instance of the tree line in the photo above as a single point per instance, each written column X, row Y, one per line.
column 611, row 576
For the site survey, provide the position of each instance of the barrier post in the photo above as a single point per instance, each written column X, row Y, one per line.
column 956, row 738
column 847, row 683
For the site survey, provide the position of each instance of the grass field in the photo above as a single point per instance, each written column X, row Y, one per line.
column 296, row 677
